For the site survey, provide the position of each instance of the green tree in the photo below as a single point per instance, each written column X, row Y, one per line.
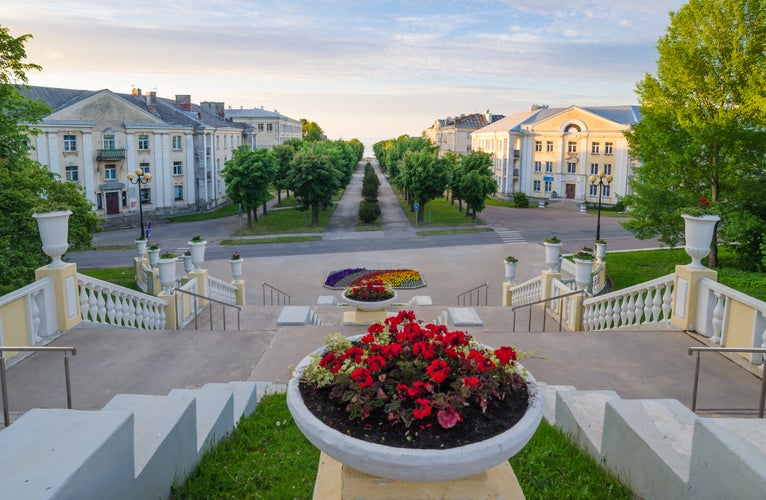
column 452, row 161
column 703, row 116
column 477, row 181
column 311, row 131
column 284, row 155
column 425, row 176
column 313, row 179
column 248, row 176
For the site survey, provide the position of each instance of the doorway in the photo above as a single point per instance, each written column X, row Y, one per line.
column 570, row 191
column 112, row 203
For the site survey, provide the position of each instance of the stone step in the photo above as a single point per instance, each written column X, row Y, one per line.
column 214, row 413
column 580, row 414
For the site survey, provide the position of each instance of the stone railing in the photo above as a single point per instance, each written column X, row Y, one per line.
column 222, row 291
column 185, row 304
column 145, row 277
column 29, row 315
column 527, row 292
column 641, row 304
column 105, row 303
column 730, row 318
column 567, row 308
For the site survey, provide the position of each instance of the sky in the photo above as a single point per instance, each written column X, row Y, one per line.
column 365, row 69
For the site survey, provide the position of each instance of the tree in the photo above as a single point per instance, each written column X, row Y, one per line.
column 477, row 181
column 703, row 119
column 248, row 176
column 284, row 155
column 311, row 131
column 25, row 184
column 313, row 179
column 452, row 161
column 425, row 176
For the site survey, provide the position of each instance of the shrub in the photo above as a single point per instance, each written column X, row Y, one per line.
column 369, row 211
column 520, row 199
column 370, row 191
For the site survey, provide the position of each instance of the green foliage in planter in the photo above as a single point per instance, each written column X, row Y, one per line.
column 520, row 199
column 369, row 211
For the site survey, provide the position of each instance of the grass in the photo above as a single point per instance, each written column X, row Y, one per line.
column 110, row 247
column 123, row 276
column 276, row 239
column 288, row 221
column 268, row 457
column 455, row 231
column 224, row 211
column 439, row 212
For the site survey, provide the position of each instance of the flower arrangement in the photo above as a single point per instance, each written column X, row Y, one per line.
column 552, row 239
column 154, row 246
column 511, row 258
column 370, row 291
column 168, row 255
column 704, row 207
column 397, row 278
column 585, row 253
column 600, row 242
column 198, row 239
column 235, row 256
column 408, row 372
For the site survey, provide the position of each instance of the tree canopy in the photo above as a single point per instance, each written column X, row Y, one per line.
column 476, row 181
column 703, row 122
column 424, row 176
column 311, row 131
column 248, row 176
column 313, row 179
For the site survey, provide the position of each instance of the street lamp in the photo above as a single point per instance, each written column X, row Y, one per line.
column 138, row 178
column 600, row 180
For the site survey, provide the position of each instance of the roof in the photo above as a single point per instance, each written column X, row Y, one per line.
column 474, row 120
column 254, row 113
column 511, row 122
column 628, row 115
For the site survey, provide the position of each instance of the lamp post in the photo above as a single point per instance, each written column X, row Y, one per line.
column 140, row 178
column 600, row 180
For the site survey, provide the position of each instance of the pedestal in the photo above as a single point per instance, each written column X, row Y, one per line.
column 685, row 290
column 357, row 317
column 66, row 292
column 336, row 481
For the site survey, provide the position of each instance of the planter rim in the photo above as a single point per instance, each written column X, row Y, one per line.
column 407, row 464
column 55, row 213
column 369, row 306
column 710, row 217
column 196, row 242
column 550, row 244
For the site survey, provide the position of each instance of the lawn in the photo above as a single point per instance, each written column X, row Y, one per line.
column 224, row 211
column 289, row 220
column 122, row 276
column 268, row 457
column 439, row 212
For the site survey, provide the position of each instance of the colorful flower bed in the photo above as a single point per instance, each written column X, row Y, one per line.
column 396, row 278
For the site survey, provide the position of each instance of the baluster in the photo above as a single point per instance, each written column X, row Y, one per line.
column 639, row 307
column 623, row 313
column 35, row 310
column 656, row 303
column 110, row 308
column 648, row 306
column 667, row 298
column 101, row 305
column 132, row 313
column 161, row 319
column 601, row 316
column 631, row 313
column 83, row 301
column 607, row 322
column 118, row 305
column 588, row 323
column 140, row 316
column 93, row 304
column 717, row 318
column 617, row 311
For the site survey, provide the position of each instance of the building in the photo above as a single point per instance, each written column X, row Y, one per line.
column 271, row 127
column 551, row 152
column 96, row 138
column 454, row 132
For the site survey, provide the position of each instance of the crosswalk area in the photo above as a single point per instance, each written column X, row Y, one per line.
column 510, row 237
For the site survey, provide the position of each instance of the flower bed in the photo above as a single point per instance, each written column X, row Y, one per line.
column 396, row 278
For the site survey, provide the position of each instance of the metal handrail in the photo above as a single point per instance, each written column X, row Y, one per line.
column 196, row 307
column 469, row 293
column 272, row 289
column 541, row 301
column 4, row 385
column 698, row 350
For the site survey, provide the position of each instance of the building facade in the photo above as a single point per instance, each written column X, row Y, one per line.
column 551, row 152
column 454, row 132
column 270, row 127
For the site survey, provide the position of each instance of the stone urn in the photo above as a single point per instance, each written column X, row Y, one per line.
column 406, row 464
column 236, row 268
column 583, row 272
column 197, row 250
column 370, row 306
column 167, row 268
column 54, row 231
column 552, row 254
column 140, row 248
column 154, row 256
column 698, row 234
column 510, row 270
column 188, row 266
column 600, row 251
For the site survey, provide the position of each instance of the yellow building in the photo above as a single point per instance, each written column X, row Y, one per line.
column 550, row 152
column 454, row 132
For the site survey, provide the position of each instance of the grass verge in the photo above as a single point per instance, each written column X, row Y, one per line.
column 288, row 221
column 455, row 231
column 268, row 457
column 224, row 211
column 276, row 239
column 439, row 212
column 123, row 276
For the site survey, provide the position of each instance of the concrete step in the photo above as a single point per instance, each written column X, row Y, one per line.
column 581, row 415
column 214, row 414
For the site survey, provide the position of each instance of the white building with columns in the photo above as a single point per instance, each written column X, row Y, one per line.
column 551, row 152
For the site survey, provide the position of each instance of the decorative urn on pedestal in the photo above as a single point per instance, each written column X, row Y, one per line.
column 54, row 230
column 154, row 255
column 236, row 266
column 698, row 235
column 197, row 248
column 584, row 268
column 140, row 247
column 167, row 267
column 552, row 252
column 510, row 268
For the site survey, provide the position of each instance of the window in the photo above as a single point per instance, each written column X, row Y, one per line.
column 607, row 148
column 549, row 166
column 70, row 143
column 571, row 147
column 226, row 141
column 538, row 166
column 178, row 192
column 146, row 195
column 108, row 141
column 260, row 127
column 536, row 186
column 549, row 146
column 143, row 142
column 571, row 167
column 593, row 190
column 124, row 198
column 607, row 169
column 178, row 168
column 538, row 146
column 72, row 174
column 594, row 169
column 548, row 186
column 110, row 172
column 595, row 147
column 218, row 142
column 607, row 190
column 177, row 142
column 99, row 202
column 145, row 168
column 269, row 127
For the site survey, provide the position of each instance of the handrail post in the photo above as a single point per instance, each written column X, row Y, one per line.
column 223, row 312
column 696, row 381
column 561, row 311
column 68, row 381
column 6, row 413
column 763, row 396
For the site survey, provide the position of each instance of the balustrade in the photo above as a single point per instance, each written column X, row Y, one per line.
column 105, row 303
column 648, row 302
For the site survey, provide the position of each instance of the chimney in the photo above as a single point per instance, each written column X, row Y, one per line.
column 136, row 91
column 183, row 102
column 151, row 100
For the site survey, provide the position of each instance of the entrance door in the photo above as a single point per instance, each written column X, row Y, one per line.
column 570, row 191
column 112, row 203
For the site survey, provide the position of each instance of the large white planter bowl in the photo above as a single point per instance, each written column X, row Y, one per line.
column 698, row 234
column 406, row 464
column 54, row 230
column 370, row 306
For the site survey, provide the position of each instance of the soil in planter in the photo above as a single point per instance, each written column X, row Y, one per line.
column 422, row 434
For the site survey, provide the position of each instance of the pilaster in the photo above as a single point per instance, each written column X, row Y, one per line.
column 685, row 290
column 68, row 313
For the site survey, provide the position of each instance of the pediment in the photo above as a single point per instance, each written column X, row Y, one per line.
column 584, row 119
column 104, row 106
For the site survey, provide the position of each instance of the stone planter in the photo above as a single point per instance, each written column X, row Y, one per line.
column 140, row 248
column 54, row 231
column 552, row 254
column 583, row 270
column 698, row 235
column 510, row 270
column 370, row 306
column 197, row 250
column 236, row 268
column 413, row 464
column 154, row 256
column 583, row 209
column 167, row 269
column 188, row 266
column 600, row 252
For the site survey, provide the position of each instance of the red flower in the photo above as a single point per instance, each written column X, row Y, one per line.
column 470, row 381
column 423, row 409
column 362, row 377
column 505, row 354
column 438, row 371
column 375, row 363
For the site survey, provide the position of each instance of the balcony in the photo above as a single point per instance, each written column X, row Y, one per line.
column 516, row 153
column 111, row 154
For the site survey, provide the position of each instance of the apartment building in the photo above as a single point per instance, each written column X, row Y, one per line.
column 551, row 152
column 270, row 127
column 454, row 132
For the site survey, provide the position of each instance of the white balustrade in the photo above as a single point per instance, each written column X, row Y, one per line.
column 40, row 304
column 186, row 302
column 221, row 291
column 642, row 304
column 527, row 292
column 105, row 303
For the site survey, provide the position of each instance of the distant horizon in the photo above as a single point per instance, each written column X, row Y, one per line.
column 366, row 71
